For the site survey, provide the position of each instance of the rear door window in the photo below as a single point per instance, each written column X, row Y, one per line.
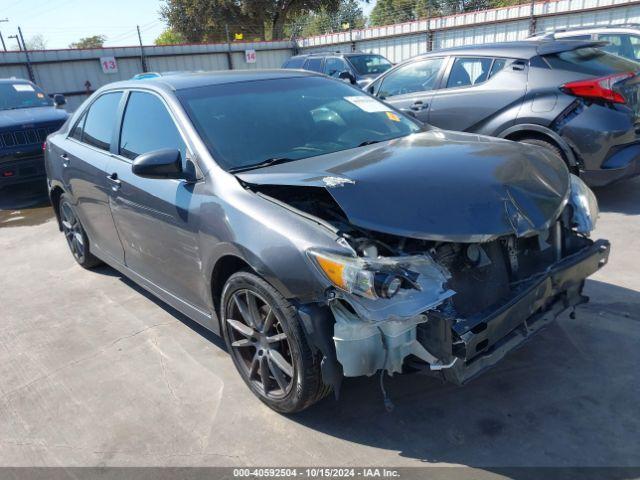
column 139, row 135
column 334, row 66
column 591, row 61
column 314, row 64
column 468, row 71
column 79, row 128
column 101, row 119
column 499, row 64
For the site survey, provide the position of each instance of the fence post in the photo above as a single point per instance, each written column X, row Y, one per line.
column 229, row 56
column 32, row 77
column 143, row 60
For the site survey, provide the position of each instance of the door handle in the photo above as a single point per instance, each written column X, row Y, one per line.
column 65, row 159
column 115, row 182
column 419, row 105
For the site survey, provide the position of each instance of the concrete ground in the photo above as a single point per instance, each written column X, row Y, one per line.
column 94, row 371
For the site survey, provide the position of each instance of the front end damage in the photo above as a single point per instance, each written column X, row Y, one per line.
column 471, row 304
column 446, row 305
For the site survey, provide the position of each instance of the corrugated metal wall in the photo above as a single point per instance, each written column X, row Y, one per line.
column 67, row 71
column 402, row 41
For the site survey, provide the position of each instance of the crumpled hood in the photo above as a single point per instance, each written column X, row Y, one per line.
column 30, row 117
column 437, row 185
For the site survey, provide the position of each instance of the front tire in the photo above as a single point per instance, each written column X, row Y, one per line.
column 268, row 346
column 76, row 236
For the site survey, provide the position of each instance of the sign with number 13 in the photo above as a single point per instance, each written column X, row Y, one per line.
column 109, row 64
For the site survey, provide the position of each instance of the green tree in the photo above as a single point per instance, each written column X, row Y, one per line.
column 387, row 12
column 96, row 41
column 348, row 15
column 169, row 37
column 205, row 20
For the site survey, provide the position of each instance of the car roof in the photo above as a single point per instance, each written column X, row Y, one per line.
column 333, row 54
column 524, row 49
column 179, row 81
column 13, row 80
column 562, row 32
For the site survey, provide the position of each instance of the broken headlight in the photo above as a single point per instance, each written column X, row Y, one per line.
column 585, row 206
column 356, row 275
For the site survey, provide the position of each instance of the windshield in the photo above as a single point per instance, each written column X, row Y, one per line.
column 369, row 64
column 22, row 95
column 591, row 61
column 246, row 124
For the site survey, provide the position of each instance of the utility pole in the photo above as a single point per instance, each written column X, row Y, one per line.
column 32, row 77
column 142, row 57
column 4, row 47
column 229, row 56
column 17, row 40
column 532, row 18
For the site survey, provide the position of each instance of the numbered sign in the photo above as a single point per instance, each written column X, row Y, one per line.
column 109, row 64
column 250, row 56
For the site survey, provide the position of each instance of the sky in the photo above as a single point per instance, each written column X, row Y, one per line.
column 61, row 22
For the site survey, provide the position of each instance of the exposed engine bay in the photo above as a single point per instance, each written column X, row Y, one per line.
column 442, row 306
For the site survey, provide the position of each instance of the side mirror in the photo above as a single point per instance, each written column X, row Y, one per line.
column 165, row 163
column 347, row 77
column 59, row 100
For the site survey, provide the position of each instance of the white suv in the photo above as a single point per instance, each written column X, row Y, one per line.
column 624, row 40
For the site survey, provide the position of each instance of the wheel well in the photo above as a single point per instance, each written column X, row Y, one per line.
column 515, row 136
column 225, row 267
column 55, row 195
column 520, row 135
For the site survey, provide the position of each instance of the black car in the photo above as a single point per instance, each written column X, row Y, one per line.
column 325, row 234
column 569, row 96
column 356, row 67
column 27, row 116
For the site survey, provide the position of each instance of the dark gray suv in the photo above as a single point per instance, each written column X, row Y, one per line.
column 325, row 234
column 357, row 68
column 569, row 96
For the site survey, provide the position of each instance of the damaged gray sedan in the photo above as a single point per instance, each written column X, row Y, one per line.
column 322, row 233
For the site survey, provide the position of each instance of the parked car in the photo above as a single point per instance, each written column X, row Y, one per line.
column 622, row 39
column 326, row 234
column 356, row 67
column 27, row 116
column 568, row 96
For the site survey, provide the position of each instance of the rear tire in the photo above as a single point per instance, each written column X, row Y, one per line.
column 75, row 235
column 268, row 346
column 545, row 144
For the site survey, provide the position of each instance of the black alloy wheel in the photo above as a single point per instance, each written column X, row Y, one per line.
column 75, row 235
column 268, row 345
column 259, row 344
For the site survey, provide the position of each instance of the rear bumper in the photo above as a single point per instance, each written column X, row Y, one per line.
column 22, row 170
column 493, row 337
column 624, row 163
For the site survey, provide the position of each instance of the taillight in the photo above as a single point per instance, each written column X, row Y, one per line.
column 44, row 146
column 599, row 88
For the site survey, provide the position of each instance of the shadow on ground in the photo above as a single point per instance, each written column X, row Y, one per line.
column 621, row 197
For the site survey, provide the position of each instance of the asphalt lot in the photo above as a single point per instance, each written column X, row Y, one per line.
column 93, row 371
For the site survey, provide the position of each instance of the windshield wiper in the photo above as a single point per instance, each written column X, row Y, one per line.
column 369, row 142
column 265, row 163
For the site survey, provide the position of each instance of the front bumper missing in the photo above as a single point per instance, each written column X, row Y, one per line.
column 483, row 342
